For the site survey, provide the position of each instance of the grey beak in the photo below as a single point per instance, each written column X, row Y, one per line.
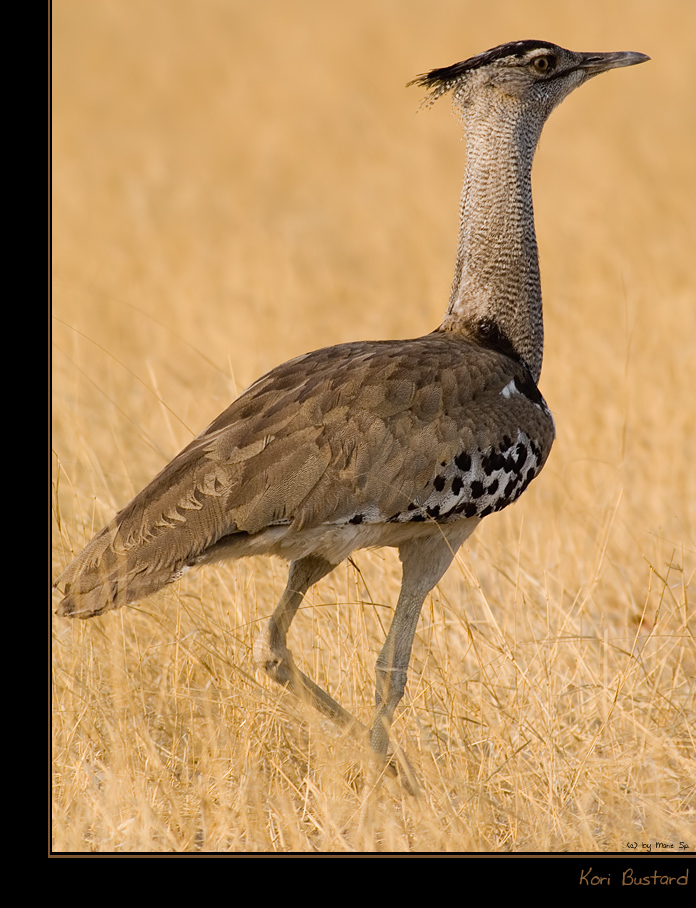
column 593, row 64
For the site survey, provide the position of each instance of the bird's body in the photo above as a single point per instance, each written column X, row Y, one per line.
column 360, row 445
column 376, row 443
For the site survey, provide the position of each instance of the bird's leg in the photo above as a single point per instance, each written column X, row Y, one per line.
column 270, row 649
column 424, row 563
column 271, row 652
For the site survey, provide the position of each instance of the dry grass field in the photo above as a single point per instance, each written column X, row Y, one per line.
column 235, row 184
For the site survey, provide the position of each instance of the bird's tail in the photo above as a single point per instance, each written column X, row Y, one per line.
column 104, row 576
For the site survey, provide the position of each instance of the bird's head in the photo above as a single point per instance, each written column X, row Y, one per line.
column 535, row 73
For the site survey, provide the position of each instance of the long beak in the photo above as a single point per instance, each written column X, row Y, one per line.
column 593, row 64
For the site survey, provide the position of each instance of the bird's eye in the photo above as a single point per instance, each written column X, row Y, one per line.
column 543, row 64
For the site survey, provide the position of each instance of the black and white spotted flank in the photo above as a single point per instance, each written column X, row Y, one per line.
column 474, row 484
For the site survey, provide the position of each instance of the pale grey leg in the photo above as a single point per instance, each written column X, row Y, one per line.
column 270, row 648
column 424, row 563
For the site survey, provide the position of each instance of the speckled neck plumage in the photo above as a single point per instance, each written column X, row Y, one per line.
column 496, row 280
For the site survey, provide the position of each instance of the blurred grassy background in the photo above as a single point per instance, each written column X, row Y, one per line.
column 235, row 184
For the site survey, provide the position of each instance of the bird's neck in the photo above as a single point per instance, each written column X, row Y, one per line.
column 496, row 282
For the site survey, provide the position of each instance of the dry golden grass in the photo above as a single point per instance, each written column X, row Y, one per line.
column 237, row 183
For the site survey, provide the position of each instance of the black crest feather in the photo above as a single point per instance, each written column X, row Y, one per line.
column 444, row 77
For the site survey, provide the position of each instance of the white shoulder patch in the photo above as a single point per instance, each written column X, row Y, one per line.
column 510, row 389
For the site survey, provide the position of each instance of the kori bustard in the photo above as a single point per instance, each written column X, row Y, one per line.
column 405, row 443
